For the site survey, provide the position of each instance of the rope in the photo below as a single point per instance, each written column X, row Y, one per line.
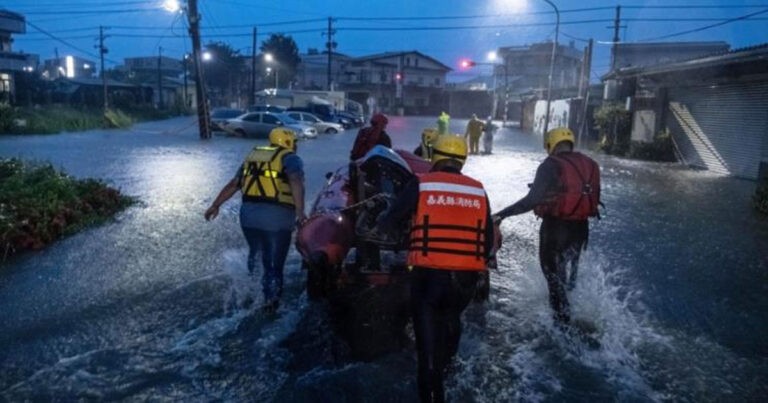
column 362, row 202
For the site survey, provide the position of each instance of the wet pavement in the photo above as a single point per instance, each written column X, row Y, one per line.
column 146, row 307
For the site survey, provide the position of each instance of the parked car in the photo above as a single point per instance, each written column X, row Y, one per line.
column 325, row 113
column 357, row 120
column 266, row 108
column 314, row 121
column 221, row 115
column 259, row 124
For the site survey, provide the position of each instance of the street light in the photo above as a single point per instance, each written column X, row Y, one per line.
column 493, row 56
column 466, row 63
column 551, row 66
column 271, row 59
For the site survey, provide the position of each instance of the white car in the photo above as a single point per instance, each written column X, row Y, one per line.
column 259, row 124
column 312, row 120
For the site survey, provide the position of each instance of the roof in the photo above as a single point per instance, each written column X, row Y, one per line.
column 757, row 53
column 97, row 82
column 386, row 55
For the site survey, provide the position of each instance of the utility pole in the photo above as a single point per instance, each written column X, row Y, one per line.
column 616, row 26
column 586, row 74
column 186, row 87
column 252, row 94
column 159, row 78
column 330, row 45
column 202, row 101
column 102, row 51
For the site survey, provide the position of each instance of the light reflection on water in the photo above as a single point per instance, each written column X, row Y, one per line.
column 674, row 278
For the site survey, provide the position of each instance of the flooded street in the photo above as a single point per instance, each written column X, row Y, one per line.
column 144, row 307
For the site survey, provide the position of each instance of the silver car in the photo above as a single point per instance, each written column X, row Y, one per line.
column 314, row 121
column 259, row 124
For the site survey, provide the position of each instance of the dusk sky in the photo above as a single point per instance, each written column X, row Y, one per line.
column 447, row 30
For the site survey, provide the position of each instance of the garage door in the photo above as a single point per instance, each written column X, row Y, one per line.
column 722, row 128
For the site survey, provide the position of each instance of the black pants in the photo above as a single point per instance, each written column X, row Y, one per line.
column 560, row 245
column 438, row 297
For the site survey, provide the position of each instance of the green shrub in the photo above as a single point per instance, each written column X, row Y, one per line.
column 660, row 149
column 39, row 204
column 613, row 123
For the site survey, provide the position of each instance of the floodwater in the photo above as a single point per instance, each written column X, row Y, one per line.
column 148, row 306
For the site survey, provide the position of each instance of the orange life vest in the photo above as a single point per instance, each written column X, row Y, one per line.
column 448, row 230
column 579, row 194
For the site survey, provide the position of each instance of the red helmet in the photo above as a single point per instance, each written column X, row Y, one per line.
column 379, row 120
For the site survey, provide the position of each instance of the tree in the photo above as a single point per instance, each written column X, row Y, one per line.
column 223, row 72
column 286, row 56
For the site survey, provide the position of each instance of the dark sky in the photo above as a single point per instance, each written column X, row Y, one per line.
column 447, row 30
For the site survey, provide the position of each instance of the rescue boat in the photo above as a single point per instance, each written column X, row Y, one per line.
column 358, row 270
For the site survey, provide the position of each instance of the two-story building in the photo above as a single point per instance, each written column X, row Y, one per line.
column 407, row 81
column 526, row 68
column 68, row 67
column 12, row 63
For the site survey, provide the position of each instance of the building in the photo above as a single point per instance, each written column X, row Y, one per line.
column 527, row 67
column 713, row 106
column 12, row 63
column 149, row 66
column 396, row 82
column 312, row 72
column 68, row 67
column 652, row 53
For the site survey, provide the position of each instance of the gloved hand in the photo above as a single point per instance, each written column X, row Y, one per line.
column 496, row 219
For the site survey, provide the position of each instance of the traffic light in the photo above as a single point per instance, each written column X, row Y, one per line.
column 466, row 63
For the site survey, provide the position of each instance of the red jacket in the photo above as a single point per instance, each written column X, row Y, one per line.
column 579, row 193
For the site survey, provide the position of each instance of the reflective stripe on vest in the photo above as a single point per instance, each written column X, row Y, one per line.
column 263, row 177
column 449, row 225
column 579, row 193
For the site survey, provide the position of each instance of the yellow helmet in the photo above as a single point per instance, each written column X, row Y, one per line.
column 283, row 137
column 428, row 136
column 556, row 136
column 449, row 146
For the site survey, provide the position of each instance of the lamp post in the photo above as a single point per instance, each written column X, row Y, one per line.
column 271, row 60
column 492, row 56
column 551, row 66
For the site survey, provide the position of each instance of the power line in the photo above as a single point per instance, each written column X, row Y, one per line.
column 67, row 43
column 85, row 12
column 458, row 27
column 744, row 17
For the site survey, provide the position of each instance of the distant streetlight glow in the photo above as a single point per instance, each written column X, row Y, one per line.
column 207, row 56
column 492, row 56
column 269, row 58
column 509, row 6
column 171, row 6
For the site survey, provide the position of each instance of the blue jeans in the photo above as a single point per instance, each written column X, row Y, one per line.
column 274, row 247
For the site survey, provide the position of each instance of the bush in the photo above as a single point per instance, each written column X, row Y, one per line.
column 760, row 198
column 613, row 123
column 116, row 118
column 39, row 205
column 660, row 149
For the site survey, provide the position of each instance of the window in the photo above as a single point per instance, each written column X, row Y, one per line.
column 419, row 102
column 254, row 117
column 382, row 77
column 437, row 81
column 416, row 62
column 296, row 116
column 420, row 80
column 407, row 61
column 270, row 119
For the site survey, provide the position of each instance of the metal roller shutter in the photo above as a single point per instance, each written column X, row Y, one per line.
column 722, row 128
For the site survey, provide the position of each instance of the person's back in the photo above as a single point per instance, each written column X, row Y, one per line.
column 368, row 137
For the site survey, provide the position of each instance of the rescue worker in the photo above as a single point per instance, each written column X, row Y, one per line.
column 443, row 121
column 472, row 133
column 565, row 193
column 428, row 137
column 488, row 131
column 271, row 180
column 368, row 137
column 451, row 238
